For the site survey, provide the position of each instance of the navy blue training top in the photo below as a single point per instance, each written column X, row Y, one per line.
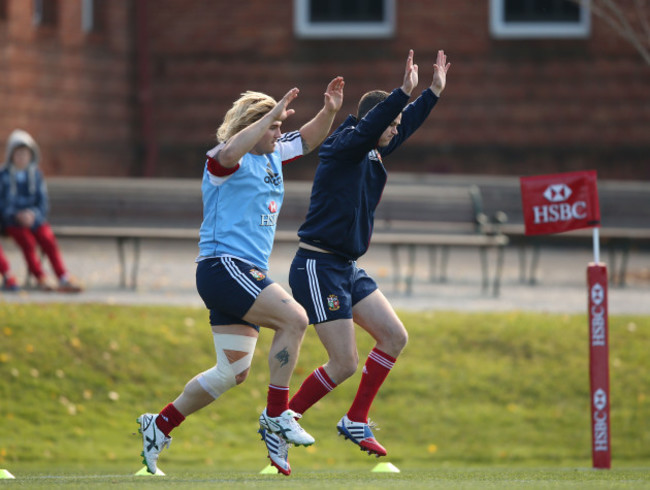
column 351, row 177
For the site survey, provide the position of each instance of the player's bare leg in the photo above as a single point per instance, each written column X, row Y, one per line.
column 274, row 308
column 375, row 315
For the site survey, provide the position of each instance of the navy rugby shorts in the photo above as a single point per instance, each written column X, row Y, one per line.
column 327, row 285
column 229, row 287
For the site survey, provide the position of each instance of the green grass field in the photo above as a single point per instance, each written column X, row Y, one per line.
column 475, row 401
column 468, row 478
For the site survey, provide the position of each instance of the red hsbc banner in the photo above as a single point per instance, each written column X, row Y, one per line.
column 560, row 202
column 601, row 449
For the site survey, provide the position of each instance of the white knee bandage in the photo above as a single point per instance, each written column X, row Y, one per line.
column 223, row 376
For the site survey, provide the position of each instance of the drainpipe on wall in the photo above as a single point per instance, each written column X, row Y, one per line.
column 144, row 89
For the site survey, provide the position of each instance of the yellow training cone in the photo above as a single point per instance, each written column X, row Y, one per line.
column 5, row 475
column 385, row 468
column 269, row 470
column 144, row 472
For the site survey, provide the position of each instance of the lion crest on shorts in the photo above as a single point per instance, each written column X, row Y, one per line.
column 333, row 302
column 257, row 274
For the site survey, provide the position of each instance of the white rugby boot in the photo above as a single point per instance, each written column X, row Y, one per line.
column 286, row 427
column 153, row 441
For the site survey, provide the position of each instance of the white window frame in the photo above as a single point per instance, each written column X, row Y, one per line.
column 88, row 16
column 38, row 14
column 501, row 29
column 305, row 29
column 37, row 18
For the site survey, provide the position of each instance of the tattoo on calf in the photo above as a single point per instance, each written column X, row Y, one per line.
column 283, row 357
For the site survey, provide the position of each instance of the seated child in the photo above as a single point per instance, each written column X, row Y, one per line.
column 24, row 205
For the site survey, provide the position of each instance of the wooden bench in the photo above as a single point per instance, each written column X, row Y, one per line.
column 127, row 210
column 616, row 242
column 413, row 215
column 625, row 217
column 409, row 216
column 438, row 218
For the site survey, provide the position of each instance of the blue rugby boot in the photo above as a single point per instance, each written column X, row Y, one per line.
column 361, row 434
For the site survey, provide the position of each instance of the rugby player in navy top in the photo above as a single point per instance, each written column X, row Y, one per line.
column 242, row 194
column 324, row 276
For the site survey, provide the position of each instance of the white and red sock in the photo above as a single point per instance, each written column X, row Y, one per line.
column 375, row 370
column 316, row 386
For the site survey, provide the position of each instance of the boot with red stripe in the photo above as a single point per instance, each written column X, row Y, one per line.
column 361, row 434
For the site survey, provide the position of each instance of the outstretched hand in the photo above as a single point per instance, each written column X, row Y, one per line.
column 410, row 75
column 334, row 95
column 280, row 111
column 440, row 69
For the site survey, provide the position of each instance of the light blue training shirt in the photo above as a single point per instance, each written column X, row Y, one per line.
column 241, row 204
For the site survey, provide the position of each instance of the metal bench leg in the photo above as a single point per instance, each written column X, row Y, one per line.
column 611, row 252
column 121, row 251
column 444, row 260
column 122, row 258
column 497, row 273
column 394, row 252
column 410, row 272
column 622, row 269
column 522, row 263
column 618, row 273
column 136, row 263
column 534, row 263
column 432, row 262
column 619, row 254
column 484, row 268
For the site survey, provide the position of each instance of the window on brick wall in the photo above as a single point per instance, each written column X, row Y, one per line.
column 93, row 16
column 344, row 18
column 46, row 13
column 539, row 18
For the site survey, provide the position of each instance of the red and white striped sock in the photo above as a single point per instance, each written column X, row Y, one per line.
column 316, row 386
column 375, row 370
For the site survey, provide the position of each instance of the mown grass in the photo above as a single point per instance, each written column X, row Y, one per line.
column 498, row 390
column 472, row 478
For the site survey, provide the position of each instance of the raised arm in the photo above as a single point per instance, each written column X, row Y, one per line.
column 440, row 68
column 410, row 75
column 244, row 141
column 315, row 131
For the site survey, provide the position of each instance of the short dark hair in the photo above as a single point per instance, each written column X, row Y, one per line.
column 370, row 100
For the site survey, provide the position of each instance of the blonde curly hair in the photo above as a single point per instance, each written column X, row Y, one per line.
column 249, row 108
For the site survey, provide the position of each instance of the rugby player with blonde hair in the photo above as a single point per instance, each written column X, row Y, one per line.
column 242, row 195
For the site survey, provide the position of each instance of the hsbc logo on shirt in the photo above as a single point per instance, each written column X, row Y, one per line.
column 560, row 202
column 272, row 218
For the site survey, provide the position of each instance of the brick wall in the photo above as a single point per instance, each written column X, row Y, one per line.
column 511, row 107
column 72, row 91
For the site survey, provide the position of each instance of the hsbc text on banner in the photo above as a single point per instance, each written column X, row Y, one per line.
column 599, row 366
column 556, row 203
